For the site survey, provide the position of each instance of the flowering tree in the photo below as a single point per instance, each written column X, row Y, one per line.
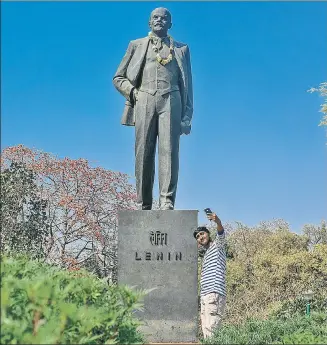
column 82, row 206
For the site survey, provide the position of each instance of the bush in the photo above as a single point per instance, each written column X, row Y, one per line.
column 299, row 330
column 280, row 261
column 289, row 309
column 303, row 338
column 41, row 304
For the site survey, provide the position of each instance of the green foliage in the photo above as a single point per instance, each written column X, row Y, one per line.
column 306, row 337
column 280, row 260
column 297, row 307
column 322, row 90
column 23, row 213
column 41, row 304
column 299, row 330
column 316, row 234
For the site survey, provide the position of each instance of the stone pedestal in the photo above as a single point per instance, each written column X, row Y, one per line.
column 156, row 249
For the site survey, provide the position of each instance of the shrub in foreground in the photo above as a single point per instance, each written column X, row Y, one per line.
column 41, row 304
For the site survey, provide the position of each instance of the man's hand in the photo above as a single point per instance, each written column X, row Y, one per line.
column 185, row 127
column 216, row 219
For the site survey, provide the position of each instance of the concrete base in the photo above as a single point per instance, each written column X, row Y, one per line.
column 157, row 250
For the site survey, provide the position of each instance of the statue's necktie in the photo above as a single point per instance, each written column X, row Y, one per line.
column 159, row 43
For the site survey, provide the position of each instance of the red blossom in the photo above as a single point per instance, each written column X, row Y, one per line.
column 82, row 201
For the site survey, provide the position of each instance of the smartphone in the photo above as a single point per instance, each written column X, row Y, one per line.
column 207, row 211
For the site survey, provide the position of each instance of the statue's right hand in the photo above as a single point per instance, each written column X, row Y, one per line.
column 185, row 127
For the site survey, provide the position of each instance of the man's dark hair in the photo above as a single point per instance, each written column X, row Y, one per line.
column 199, row 229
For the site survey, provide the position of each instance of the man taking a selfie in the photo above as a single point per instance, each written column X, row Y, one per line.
column 213, row 273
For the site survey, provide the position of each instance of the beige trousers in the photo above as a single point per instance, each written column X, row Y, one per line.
column 212, row 311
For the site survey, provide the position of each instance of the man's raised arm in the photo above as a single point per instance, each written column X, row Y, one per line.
column 215, row 218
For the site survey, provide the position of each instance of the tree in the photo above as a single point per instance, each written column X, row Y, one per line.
column 268, row 264
column 82, row 207
column 316, row 234
column 23, row 213
column 322, row 90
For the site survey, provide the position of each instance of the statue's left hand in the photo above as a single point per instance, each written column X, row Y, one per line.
column 185, row 127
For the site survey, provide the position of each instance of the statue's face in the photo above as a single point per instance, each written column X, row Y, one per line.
column 160, row 21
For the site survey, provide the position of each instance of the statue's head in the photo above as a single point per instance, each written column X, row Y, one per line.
column 160, row 21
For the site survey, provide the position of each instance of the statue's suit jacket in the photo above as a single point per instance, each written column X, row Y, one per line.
column 128, row 76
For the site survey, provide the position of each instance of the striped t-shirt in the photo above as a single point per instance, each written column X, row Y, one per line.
column 214, row 267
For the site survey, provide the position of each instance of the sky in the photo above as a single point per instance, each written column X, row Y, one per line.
column 255, row 153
